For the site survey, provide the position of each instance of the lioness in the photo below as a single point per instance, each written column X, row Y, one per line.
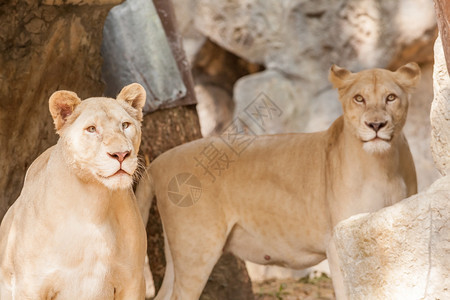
column 277, row 202
column 75, row 232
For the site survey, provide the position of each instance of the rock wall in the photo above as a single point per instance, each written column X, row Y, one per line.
column 440, row 112
column 302, row 38
column 442, row 8
column 44, row 46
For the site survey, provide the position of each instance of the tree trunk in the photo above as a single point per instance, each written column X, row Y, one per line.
column 163, row 130
column 44, row 46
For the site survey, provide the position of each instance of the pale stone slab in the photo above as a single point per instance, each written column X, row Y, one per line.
column 399, row 252
column 440, row 111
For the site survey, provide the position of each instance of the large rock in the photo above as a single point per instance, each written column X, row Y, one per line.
column 302, row 38
column 135, row 49
column 214, row 109
column 269, row 102
column 442, row 8
column 399, row 252
column 440, row 111
column 216, row 71
column 418, row 129
column 44, row 46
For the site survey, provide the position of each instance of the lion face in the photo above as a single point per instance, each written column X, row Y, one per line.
column 100, row 136
column 375, row 103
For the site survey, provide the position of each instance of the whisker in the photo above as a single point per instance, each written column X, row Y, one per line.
column 141, row 168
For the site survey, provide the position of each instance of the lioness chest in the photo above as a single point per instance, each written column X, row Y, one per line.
column 360, row 191
column 78, row 259
column 75, row 260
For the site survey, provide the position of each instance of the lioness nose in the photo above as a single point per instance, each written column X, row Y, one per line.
column 376, row 125
column 120, row 156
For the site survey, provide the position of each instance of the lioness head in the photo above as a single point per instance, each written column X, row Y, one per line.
column 100, row 137
column 375, row 102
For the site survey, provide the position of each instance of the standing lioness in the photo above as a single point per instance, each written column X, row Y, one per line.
column 277, row 202
column 75, row 231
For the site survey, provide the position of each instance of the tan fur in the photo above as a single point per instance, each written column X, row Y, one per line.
column 278, row 201
column 75, row 231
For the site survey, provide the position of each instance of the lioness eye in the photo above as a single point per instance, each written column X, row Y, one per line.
column 391, row 97
column 91, row 129
column 359, row 98
column 125, row 125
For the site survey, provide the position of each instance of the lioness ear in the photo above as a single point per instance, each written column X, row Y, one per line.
column 338, row 76
column 61, row 105
column 134, row 94
column 408, row 75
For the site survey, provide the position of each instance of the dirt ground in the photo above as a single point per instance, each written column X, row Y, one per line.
column 290, row 289
column 316, row 287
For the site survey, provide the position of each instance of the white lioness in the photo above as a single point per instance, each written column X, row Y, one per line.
column 75, row 231
column 277, row 202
